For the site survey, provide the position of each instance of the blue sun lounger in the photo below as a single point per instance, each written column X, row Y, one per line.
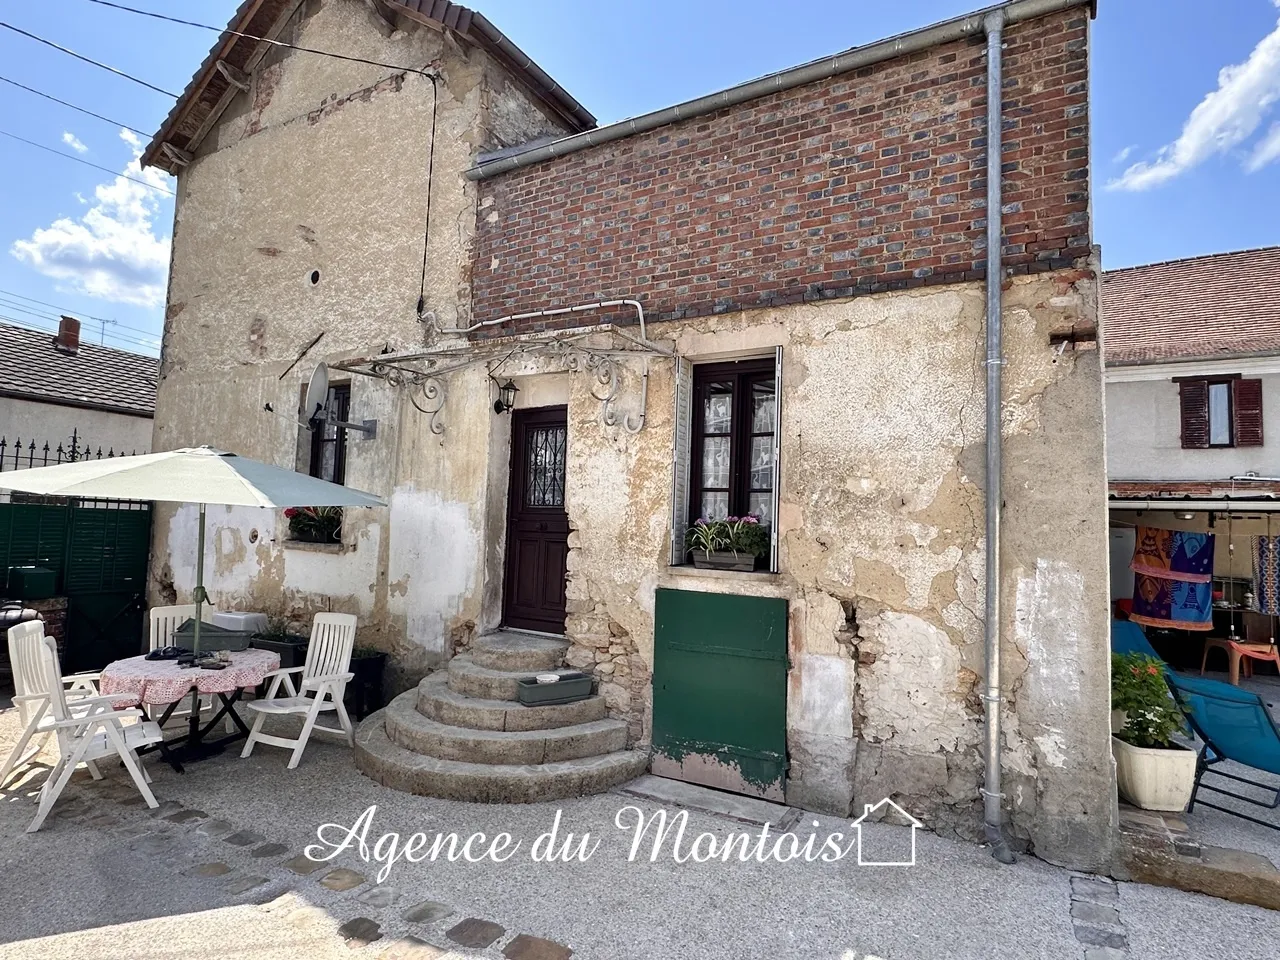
column 1233, row 724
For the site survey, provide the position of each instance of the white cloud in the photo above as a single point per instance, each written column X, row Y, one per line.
column 1268, row 149
column 72, row 141
column 1224, row 119
column 1123, row 155
column 112, row 252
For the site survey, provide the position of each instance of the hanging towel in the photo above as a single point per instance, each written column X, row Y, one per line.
column 1266, row 573
column 1172, row 604
column 1173, row 555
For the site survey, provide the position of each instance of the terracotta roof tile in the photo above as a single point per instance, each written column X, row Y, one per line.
column 100, row 378
column 1202, row 308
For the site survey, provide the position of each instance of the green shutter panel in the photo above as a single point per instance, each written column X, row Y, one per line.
column 680, row 459
column 1194, row 399
column 1246, row 405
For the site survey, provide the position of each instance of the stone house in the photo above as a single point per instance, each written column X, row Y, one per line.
column 767, row 301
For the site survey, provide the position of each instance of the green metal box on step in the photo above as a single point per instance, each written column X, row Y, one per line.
column 31, row 583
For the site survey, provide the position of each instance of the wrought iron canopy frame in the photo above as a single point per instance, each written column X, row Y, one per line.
column 421, row 375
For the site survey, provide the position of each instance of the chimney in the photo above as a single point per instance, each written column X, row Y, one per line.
column 68, row 337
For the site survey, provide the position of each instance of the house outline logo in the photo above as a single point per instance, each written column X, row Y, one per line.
column 871, row 808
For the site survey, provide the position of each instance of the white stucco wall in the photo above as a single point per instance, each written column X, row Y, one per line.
column 53, row 423
column 1144, row 433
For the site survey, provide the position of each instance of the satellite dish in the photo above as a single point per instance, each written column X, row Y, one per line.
column 317, row 394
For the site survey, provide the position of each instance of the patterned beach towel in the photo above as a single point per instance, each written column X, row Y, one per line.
column 1266, row 573
column 1172, row 604
column 1173, row 555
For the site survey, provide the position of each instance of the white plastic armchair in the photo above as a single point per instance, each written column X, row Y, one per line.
column 87, row 729
column 165, row 620
column 26, row 648
column 324, row 676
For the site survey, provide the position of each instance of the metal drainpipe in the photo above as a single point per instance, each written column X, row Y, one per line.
column 991, row 792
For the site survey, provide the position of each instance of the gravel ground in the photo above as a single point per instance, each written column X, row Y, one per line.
column 107, row 879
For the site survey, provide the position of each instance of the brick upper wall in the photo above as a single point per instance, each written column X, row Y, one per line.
column 871, row 180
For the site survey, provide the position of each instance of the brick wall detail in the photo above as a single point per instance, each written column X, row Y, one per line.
column 873, row 180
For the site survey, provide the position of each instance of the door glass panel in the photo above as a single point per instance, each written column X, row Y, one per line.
column 761, row 463
column 761, row 505
column 1219, row 414
column 715, row 462
column 718, row 410
column 762, row 407
column 715, row 506
column 544, row 467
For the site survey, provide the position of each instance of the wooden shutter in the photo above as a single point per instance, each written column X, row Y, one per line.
column 680, row 460
column 1194, row 395
column 777, row 449
column 1246, row 406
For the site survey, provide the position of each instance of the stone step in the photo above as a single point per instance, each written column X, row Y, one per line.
column 472, row 680
column 439, row 703
column 391, row 765
column 510, row 650
column 411, row 730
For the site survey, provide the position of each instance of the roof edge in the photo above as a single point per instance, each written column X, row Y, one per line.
column 1199, row 256
column 1188, row 359
column 923, row 38
column 78, row 404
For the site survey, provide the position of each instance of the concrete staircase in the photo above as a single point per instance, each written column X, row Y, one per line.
column 463, row 735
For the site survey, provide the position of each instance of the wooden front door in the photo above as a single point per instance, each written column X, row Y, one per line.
column 537, row 524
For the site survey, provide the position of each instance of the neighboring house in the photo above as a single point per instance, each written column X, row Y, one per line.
column 809, row 255
column 59, row 391
column 1192, row 354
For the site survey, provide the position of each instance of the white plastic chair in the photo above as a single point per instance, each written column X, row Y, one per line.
column 26, row 647
column 87, row 729
column 163, row 622
column 325, row 674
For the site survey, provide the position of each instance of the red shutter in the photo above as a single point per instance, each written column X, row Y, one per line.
column 1246, row 402
column 1195, row 414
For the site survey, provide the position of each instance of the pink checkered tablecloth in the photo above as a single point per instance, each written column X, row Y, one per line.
column 163, row 681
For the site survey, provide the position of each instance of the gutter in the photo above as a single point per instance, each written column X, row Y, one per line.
column 1013, row 11
column 992, row 698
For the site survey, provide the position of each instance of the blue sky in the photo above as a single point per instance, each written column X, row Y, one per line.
column 1186, row 121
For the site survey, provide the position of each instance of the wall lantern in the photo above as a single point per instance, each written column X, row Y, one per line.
column 506, row 397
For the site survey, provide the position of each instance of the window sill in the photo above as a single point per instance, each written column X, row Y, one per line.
column 313, row 547
column 689, row 570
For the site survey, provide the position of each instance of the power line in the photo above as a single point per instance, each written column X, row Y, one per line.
column 31, row 325
column 59, row 153
column 250, row 36
column 38, row 93
column 103, row 66
column 11, row 295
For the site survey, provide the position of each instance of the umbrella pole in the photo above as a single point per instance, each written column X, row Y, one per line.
column 199, row 591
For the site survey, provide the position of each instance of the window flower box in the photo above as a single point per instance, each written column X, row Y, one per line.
column 734, row 543
column 315, row 524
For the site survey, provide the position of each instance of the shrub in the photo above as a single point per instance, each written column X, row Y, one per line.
column 1138, row 688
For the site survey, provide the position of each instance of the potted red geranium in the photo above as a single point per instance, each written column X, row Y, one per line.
column 314, row 524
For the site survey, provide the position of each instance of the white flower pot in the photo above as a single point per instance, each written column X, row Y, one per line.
column 1154, row 778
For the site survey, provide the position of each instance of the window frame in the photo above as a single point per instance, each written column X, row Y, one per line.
column 339, row 400
column 743, row 373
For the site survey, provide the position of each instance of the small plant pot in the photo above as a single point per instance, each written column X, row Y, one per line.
column 364, row 692
column 723, row 560
column 291, row 650
column 1155, row 778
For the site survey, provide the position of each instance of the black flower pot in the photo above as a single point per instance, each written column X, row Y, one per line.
column 364, row 692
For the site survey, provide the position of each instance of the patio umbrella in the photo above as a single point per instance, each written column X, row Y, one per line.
column 190, row 475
